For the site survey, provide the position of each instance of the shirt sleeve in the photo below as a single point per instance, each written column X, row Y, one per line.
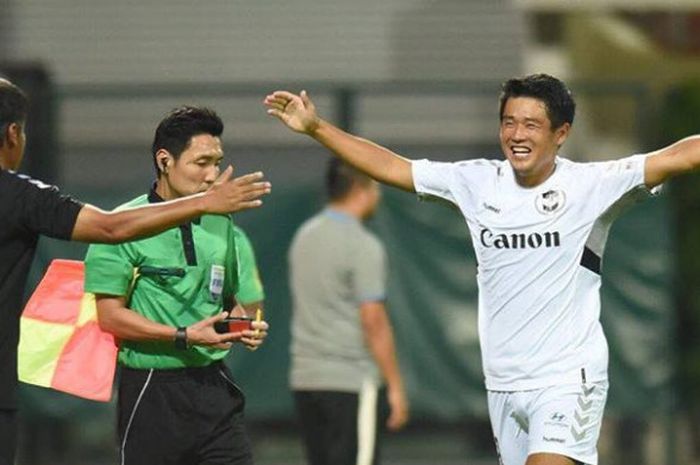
column 621, row 179
column 369, row 271
column 107, row 270
column 433, row 179
column 42, row 209
column 458, row 184
column 250, row 288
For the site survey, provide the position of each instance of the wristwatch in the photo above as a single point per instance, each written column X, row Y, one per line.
column 181, row 338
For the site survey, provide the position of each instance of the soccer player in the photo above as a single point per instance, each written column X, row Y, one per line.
column 178, row 402
column 538, row 224
column 29, row 208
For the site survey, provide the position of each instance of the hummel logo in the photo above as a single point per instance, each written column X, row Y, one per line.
column 491, row 207
column 582, row 421
column 584, row 405
column 548, row 439
column 577, row 436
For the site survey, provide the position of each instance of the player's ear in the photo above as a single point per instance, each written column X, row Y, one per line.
column 562, row 133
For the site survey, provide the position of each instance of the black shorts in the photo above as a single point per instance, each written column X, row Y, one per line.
column 187, row 416
column 8, row 436
column 342, row 428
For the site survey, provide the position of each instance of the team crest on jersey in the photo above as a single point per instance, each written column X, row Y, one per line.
column 550, row 201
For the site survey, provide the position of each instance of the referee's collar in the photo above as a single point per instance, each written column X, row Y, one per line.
column 154, row 197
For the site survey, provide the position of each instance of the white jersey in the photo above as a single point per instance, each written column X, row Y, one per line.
column 539, row 253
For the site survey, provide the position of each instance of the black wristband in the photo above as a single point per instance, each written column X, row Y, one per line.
column 181, row 338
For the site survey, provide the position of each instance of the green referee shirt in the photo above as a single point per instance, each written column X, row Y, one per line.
column 185, row 274
column 250, row 289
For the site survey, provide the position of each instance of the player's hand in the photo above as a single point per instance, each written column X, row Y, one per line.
column 203, row 333
column 253, row 338
column 398, row 405
column 298, row 112
column 228, row 195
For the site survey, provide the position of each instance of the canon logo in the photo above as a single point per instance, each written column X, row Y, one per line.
column 519, row 240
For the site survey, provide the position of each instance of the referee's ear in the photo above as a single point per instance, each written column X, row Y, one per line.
column 162, row 161
column 163, row 164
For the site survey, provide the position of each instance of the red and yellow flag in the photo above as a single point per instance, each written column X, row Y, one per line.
column 61, row 344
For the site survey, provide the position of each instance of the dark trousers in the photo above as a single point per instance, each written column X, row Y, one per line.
column 330, row 421
column 188, row 416
column 8, row 436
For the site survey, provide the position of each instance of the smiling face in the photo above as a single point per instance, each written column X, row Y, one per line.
column 528, row 140
column 194, row 171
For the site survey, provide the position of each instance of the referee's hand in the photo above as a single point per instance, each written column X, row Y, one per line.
column 203, row 333
column 253, row 338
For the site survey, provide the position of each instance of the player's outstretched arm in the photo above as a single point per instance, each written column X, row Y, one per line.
column 678, row 158
column 225, row 195
column 298, row 112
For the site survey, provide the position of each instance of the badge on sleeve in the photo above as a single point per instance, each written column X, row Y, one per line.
column 216, row 282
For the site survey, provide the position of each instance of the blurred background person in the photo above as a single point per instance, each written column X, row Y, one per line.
column 342, row 349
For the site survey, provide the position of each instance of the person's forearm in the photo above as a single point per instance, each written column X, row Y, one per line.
column 380, row 341
column 678, row 158
column 131, row 326
column 223, row 196
column 689, row 150
column 378, row 162
column 159, row 217
column 95, row 225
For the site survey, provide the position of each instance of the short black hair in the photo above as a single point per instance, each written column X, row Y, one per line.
column 557, row 98
column 341, row 177
column 176, row 130
column 14, row 106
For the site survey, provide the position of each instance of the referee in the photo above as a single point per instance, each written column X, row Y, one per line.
column 29, row 208
column 178, row 403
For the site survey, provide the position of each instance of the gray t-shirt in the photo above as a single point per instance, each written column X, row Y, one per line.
column 336, row 264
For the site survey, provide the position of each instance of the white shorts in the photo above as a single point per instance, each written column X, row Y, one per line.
column 562, row 420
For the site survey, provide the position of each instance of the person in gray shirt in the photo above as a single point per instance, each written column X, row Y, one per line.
column 342, row 348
